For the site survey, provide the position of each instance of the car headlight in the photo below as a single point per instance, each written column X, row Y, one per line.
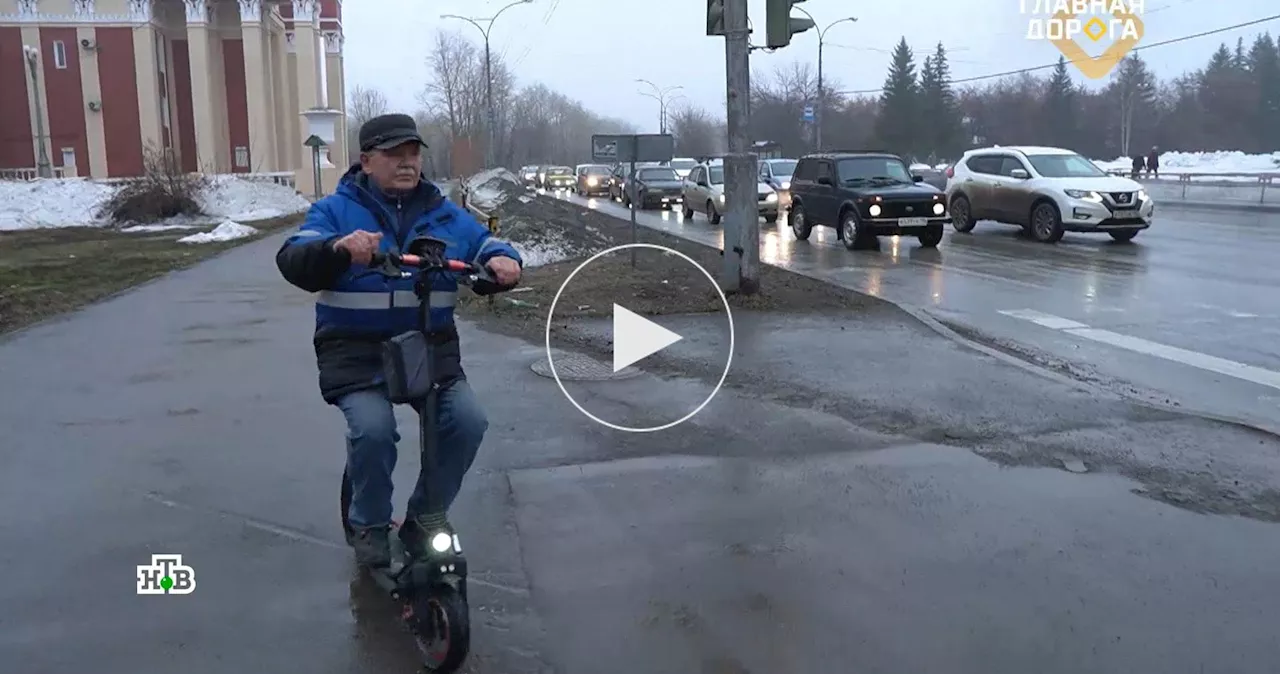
column 939, row 209
column 1142, row 195
column 592, row 182
column 1084, row 195
column 786, row 184
column 874, row 210
column 721, row 197
column 772, row 197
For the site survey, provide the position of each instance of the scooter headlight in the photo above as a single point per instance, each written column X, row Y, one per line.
column 441, row 542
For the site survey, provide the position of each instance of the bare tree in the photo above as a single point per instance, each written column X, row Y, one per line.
column 363, row 104
column 697, row 133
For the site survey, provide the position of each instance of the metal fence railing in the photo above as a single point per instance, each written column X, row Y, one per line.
column 1262, row 188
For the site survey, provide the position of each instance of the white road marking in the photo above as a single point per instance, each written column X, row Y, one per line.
column 1195, row 359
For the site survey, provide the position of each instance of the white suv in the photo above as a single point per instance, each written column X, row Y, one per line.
column 1046, row 191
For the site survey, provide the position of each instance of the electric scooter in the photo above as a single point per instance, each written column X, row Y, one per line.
column 433, row 591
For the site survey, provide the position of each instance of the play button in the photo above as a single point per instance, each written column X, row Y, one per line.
column 636, row 337
column 662, row 320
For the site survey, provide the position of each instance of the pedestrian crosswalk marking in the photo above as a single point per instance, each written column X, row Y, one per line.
column 1203, row 361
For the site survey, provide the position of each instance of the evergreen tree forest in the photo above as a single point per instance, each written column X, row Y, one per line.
column 1231, row 103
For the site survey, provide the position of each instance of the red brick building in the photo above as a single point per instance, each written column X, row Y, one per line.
column 219, row 83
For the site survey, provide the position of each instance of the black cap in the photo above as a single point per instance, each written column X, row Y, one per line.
column 387, row 131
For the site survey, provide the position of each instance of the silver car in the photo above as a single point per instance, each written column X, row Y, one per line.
column 703, row 192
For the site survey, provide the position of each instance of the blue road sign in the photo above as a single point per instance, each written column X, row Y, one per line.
column 808, row 113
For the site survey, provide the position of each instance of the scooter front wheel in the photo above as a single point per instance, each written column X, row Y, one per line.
column 441, row 625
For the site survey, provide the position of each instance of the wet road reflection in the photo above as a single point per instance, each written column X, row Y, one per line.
column 1198, row 282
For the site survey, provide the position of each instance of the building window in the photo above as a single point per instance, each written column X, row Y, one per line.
column 59, row 55
column 242, row 156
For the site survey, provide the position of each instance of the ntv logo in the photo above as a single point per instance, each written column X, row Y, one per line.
column 1064, row 23
column 166, row 574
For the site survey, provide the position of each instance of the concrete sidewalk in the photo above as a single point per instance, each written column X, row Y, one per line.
column 830, row 511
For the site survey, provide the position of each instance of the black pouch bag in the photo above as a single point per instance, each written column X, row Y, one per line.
column 406, row 366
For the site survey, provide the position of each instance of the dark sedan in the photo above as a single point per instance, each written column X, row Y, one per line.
column 593, row 180
column 658, row 187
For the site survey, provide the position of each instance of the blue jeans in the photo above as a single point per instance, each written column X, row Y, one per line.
column 371, row 451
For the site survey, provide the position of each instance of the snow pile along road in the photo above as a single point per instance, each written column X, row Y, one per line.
column 49, row 203
column 542, row 228
column 489, row 189
column 74, row 202
column 1218, row 161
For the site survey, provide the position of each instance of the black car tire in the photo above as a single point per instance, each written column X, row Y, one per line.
column 1124, row 235
column 1046, row 223
column 713, row 215
column 687, row 212
column 771, row 218
column 854, row 235
column 931, row 237
column 962, row 214
column 800, row 223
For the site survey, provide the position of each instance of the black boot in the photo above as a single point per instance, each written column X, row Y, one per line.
column 373, row 546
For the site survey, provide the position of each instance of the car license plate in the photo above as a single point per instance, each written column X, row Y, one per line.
column 912, row 222
column 1124, row 215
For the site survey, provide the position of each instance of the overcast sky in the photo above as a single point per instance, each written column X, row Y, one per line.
column 665, row 41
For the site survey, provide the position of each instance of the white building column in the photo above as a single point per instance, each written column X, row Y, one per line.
column 257, row 68
column 203, row 99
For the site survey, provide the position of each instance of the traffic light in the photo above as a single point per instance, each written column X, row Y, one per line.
column 780, row 26
column 715, row 17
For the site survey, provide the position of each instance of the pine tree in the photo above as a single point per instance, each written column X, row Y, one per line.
column 1061, row 107
column 1225, row 92
column 897, row 120
column 1238, row 60
column 1264, row 74
column 945, row 119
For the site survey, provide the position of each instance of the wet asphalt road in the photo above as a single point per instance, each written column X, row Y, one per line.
column 770, row 534
column 1186, row 313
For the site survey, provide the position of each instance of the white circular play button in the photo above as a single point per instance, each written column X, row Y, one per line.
column 690, row 345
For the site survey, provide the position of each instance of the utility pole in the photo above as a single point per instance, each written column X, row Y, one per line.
column 742, row 216
column 822, row 94
column 664, row 98
column 491, row 115
column 43, row 168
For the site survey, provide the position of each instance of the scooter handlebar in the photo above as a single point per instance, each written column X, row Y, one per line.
column 404, row 260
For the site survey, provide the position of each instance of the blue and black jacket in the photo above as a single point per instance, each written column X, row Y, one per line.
column 354, row 313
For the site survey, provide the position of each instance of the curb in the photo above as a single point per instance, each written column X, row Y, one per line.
column 1216, row 206
column 922, row 316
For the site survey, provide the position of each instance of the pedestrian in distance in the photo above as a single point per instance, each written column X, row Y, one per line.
column 1138, row 165
column 382, row 203
column 1153, row 162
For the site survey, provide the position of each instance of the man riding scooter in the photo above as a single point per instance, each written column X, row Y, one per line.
column 382, row 204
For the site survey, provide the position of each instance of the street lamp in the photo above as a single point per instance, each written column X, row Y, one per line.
column 489, row 158
column 663, row 97
column 43, row 168
column 817, row 111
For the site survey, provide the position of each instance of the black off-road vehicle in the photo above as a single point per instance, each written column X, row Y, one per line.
column 865, row 195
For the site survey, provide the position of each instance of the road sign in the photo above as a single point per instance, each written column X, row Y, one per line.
column 604, row 148
column 629, row 148
column 808, row 113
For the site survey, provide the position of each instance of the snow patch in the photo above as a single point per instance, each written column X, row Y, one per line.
column 488, row 189
column 147, row 229
column 227, row 231
column 74, row 202
column 540, row 254
column 52, row 202
column 234, row 198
